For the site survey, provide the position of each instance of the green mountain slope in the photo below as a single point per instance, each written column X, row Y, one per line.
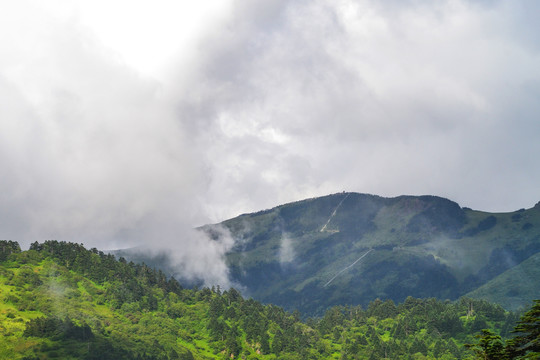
column 351, row 248
column 513, row 288
column 61, row 301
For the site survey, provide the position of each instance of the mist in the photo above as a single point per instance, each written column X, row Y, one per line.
column 94, row 153
column 286, row 249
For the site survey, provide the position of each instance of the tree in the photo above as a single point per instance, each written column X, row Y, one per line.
column 265, row 344
column 527, row 343
column 479, row 323
column 382, row 310
column 418, row 346
column 439, row 348
column 278, row 343
column 232, row 342
column 489, row 347
column 8, row 247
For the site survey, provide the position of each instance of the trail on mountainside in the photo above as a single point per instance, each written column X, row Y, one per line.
column 323, row 229
column 348, row 267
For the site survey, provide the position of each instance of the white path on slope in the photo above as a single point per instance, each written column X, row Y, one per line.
column 323, row 229
column 339, row 273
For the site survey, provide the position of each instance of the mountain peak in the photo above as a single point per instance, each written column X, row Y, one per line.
column 423, row 246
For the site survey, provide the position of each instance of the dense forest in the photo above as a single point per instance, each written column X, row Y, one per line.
column 59, row 300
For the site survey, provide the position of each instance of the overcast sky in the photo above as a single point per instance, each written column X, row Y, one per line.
column 131, row 121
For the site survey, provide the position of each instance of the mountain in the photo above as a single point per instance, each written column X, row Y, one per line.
column 514, row 287
column 59, row 300
column 351, row 248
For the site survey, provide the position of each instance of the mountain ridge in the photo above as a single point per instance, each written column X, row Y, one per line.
column 286, row 254
column 421, row 246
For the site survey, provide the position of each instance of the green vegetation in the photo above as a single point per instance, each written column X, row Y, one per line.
column 525, row 345
column 61, row 301
column 423, row 246
column 509, row 293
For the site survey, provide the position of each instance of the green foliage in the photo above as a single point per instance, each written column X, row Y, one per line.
column 489, row 347
column 422, row 246
column 55, row 328
column 505, row 290
column 59, row 300
column 8, row 247
column 526, row 344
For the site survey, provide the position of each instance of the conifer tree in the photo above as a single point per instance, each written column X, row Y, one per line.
column 489, row 347
column 527, row 343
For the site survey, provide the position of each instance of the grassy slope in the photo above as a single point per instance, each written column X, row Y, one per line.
column 513, row 288
column 63, row 294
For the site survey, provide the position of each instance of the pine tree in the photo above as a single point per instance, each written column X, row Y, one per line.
column 418, row 346
column 489, row 347
column 527, row 342
column 265, row 344
column 8, row 247
column 439, row 348
column 232, row 342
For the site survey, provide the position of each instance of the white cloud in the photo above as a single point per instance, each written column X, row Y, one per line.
column 374, row 97
column 133, row 122
column 92, row 152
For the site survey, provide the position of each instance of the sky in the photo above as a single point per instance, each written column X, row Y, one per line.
column 131, row 122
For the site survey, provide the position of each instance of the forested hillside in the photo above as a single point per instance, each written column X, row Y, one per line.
column 351, row 248
column 61, row 301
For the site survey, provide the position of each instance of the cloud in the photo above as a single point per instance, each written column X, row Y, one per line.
column 93, row 152
column 286, row 250
column 382, row 97
column 267, row 103
column 202, row 258
column 90, row 146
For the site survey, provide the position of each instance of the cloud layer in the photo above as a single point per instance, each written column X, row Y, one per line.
column 381, row 97
column 267, row 103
